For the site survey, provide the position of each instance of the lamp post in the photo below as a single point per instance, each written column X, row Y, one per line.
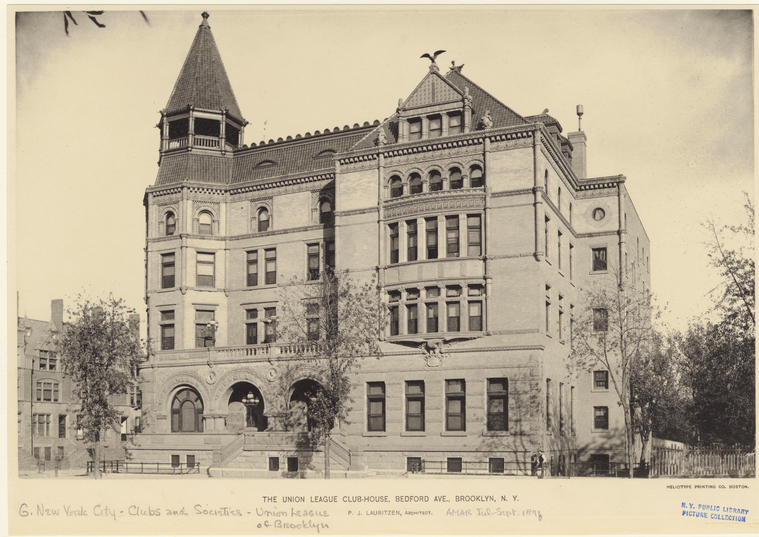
column 251, row 402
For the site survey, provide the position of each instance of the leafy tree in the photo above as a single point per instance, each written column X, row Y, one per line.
column 333, row 323
column 614, row 332
column 92, row 15
column 660, row 393
column 100, row 350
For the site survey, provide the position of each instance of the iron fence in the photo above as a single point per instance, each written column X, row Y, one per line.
column 130, row 467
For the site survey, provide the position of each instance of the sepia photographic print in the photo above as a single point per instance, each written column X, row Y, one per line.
column 381, row 270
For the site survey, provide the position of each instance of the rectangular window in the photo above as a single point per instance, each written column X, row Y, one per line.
column 167, row 330
column 394, row 243
column 60, row 453
column 36, row 452
column 52, row 364
column 454, row 319
column 412, row 294
column 436, row 127
column 270, row 318
column 558, row 250
column 548, row 220
column 175, row 461
column 498, row 401
column 561, row 408
column 42, row 424
column 270, row 257
column 411, row 254
column 415, row 405
column 571, row 261
column 599, row 259
column 495, row 465
column 252, row 268
column 454, row 124
column 205, row 269
column 190, row 461
column 600, row 319
column 292, row 464
column 412, row 318
column 474, row 235
column 48, row 454
column 413, row 465
column 313, row 262
column 415, row 129
column 167, row 271
column 274, row 464
column 431, row 228
column 453, row 465
column 43, row 361
column 561, row 322
column 394, row 321
column 375, row 392
column 452, row 236
column 329, row 256
column 205, row 332
column 251, row 327
column 431, row 318
column 601, row 380
column 548, row 318
column 312, row 321
column 61, row 425
column 548, row 404
column 571, row 324
column 47, row 391
column 601, row 417
column 475, row 316
column 455, row 405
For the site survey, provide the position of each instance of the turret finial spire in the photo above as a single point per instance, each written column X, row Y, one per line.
column 205, row 16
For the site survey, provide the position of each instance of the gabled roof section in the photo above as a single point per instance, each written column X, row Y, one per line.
column 502, row 115
column 203, row 81
column 544, row 118
column 389, row 126
column 433, row 89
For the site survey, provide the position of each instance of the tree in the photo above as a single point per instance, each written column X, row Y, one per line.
column 661, row 397
column 333, row 323
column 92, row 15
column 614, row 332
column 100, row 350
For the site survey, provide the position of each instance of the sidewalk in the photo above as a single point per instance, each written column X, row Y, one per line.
column 81, row 473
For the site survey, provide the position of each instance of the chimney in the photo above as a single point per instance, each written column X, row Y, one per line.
column 56, row 314
column 579, row 148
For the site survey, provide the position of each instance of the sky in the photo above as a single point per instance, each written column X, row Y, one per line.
column 667, row 95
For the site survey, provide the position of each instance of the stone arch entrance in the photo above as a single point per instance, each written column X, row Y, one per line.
column 300, row 397
column 242, row 413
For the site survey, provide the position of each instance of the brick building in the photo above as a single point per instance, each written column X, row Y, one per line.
column 481, row 227
column 47, row 408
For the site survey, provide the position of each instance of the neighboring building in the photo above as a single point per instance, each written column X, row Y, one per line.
column 47, row 408
column 481, row 227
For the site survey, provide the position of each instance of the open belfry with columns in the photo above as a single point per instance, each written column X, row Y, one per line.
column 481, row 227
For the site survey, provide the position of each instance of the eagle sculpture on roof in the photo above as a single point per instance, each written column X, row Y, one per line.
column 432, row 58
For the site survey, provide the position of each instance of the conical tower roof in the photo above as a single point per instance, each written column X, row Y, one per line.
column 203, row 81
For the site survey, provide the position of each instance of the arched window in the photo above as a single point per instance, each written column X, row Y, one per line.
column 187, row 412
column 325, row 212
column 263, row 220
column 436, row 181
column 456, row 180
column 171, row 223
column 476, row 177
column 396, row 187
column 415, row 184
column 205, row 223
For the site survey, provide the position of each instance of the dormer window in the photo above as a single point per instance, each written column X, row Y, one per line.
column 171, row 224
column 415, row 184
column 436, row 181
column 456, row 180
column 415, row 129
column 436, row 127
column 205, row 223
column 454, row 124
column 263, row 220
column 396, row 187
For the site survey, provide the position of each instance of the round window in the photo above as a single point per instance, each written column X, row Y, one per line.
column 598, row 214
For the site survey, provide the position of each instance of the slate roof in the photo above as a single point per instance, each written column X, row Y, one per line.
column 546, row 119
column 194, row 167
column 203, row 81
column 502, row 115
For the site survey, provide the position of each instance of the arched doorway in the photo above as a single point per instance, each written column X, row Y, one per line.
column 250, row 396
column 302, row 393
column 187, row 412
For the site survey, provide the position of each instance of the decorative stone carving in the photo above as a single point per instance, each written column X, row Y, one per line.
column 381, row 138
column 272, row 374
column 210, row 374
column 435, row 350
column 486, row 121
column 467, row 96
